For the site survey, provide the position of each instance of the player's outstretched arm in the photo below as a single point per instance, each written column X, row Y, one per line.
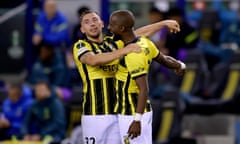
column 97, row 59
column 150, row 29
column 170, row 62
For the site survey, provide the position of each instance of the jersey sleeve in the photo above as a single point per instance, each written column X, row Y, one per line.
column 80, row 48
column 136, row 64
column 153, row 49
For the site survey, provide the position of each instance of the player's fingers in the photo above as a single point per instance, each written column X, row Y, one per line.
column 138, row 49
column 134, row 135
column 177, row 28
column 131, row 135
column 174, row 28
column 178, row 25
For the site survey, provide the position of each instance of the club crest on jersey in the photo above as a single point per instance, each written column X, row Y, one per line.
column 111, row 46
column 79, row 45
column 98, row 51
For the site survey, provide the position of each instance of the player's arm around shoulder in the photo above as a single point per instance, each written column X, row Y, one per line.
column 83, row 52
column 92, row 59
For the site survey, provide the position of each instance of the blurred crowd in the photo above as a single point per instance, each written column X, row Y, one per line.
column 208, row 43
column 34, row 108
column 210, row 30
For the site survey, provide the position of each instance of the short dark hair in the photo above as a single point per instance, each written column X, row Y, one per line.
column 15, row 84
column 43, row 81
column 124, row 18
column 81, row 10
column 175, row 11
column 46, row 44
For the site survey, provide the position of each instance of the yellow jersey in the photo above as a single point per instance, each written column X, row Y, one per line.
column 99, row 95
column 130, row 67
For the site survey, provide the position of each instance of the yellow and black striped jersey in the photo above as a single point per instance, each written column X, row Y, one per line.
column 130, row 67
column 99, row 94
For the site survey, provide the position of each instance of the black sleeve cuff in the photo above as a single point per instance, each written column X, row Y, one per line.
column 156, row 56
column 82, row 54
column 135, row 77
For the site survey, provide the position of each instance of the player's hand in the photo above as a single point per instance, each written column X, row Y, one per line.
column 134, row 129
column 27, row 138
column 133, row 48
column 181, row 70
column 36, row 39
column 4, row 123
column 35, row 137
column 172, row 25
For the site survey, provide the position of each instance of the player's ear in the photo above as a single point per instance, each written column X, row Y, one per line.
column 82, row 29
column 121, row 28
column 102, row 24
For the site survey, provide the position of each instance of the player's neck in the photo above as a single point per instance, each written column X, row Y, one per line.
column 128, row 37
column 98, row 39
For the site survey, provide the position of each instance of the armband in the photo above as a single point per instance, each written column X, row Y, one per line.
column 137, row 117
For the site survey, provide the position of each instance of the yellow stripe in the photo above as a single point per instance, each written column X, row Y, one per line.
column 62, row 27
column 231, row 85
column 86, row 84
column 93, row 100
column 123, row 99
column 77, row 117
column 167, row 118
column 105, row 96
column 131, row 103
column 71, row 121
column 117, row 104
column 123, row 104
column 84, row 102
column 191, row 37
column 83, row 76
column 116, row 107
column 188, row 80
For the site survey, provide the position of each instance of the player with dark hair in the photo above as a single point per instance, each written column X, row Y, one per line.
column 133, row 107
column 77, row 34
